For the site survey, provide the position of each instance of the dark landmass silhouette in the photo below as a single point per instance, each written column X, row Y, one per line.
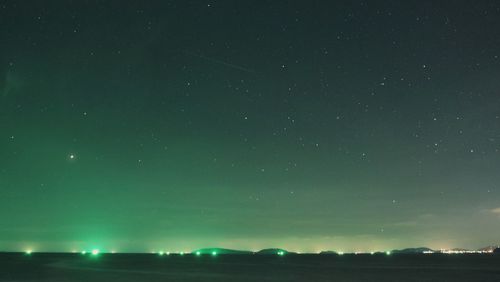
column 280, row 251
column 328, row 253
column 418, row 250
column 274, row 251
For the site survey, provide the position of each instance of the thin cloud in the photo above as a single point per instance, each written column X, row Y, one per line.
column 495, row 211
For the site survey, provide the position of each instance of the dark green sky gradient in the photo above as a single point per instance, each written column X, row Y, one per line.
column 250, row 124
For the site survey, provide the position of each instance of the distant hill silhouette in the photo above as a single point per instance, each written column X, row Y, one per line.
column 419, row 250
column 274, row 252
column 328, row 253
column 223, row 251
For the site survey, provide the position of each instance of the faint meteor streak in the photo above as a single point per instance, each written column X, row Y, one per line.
column 219, row 62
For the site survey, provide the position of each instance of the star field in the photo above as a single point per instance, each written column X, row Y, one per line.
column 351, row 125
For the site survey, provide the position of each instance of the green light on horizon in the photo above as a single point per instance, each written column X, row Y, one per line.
column 388, row 253
column 29, row 252
column 281, row 253
column 198, row 253
column 95, row 252
column 84, row 252
column 214, row 253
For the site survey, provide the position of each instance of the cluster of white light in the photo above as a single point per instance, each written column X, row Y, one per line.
column 452, row 252
column 94, row 252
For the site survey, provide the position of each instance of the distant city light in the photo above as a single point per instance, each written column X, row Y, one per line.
column 455, row 252
column 214, row 252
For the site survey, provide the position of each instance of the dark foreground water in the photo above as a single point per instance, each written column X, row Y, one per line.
column 144, row 267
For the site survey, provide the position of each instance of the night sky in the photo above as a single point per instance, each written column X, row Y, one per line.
column 305, row 125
